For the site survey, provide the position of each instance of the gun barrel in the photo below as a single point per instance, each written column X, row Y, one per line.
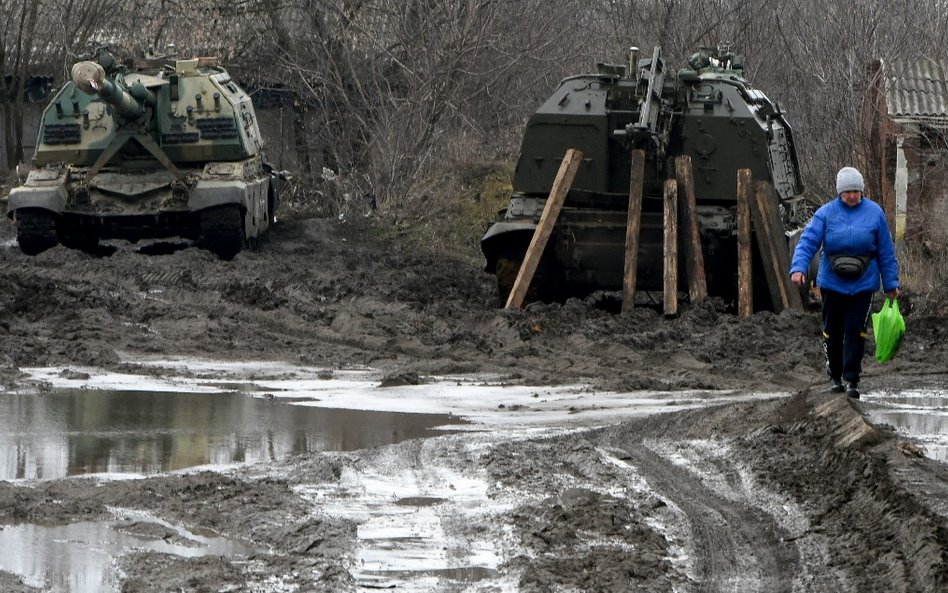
column 91, row 79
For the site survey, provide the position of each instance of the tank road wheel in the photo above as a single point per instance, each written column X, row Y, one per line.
column 35, row 230
column 222, row 230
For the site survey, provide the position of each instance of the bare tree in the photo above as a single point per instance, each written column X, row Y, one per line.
column 397, row 87
column 387, row 92
column 813, row 56
column 23, row 20
column 44, row 38
column 822, row 71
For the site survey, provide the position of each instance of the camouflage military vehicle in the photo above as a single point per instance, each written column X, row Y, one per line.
column 148, row 148
column 707, row 111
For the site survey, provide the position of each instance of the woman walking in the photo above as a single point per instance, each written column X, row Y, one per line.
column 857, row 251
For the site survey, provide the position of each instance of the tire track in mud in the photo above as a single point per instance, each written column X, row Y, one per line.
column 736, row 546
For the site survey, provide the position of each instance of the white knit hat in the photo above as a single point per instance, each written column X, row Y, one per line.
column 849, row 179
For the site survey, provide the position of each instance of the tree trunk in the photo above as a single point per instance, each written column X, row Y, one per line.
column 14, row 117
column 302, row 137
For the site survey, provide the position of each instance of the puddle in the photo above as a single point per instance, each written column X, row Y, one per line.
column 401, row 518
column 80, row 557
column 74, row 432
column 921, row 415
column 186, row 413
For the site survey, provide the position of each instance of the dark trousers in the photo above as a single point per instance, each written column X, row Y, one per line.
column 845, row 319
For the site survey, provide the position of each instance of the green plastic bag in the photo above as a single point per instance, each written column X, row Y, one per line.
column 888, row 327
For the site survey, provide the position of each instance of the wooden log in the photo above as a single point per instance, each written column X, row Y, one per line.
column 691, row 234
column 760, row 214
column 774, row 251
column 670, row 301
column 632, row 229
column 745, row 279
column 561, row 184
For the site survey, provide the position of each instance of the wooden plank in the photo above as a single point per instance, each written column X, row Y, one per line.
column 782, row 251
column 763, row 247
column 745, row 279
column 632, row 229
column 691, row 234
column 774, row 251
column 670, row 300
column 561, row 184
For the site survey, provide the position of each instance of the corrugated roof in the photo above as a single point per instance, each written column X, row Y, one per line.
column 917, row 89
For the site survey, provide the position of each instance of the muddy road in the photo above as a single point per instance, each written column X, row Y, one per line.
column 786, row 489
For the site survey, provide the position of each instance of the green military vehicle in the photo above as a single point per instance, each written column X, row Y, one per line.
column 707, row 111
column 147, row 148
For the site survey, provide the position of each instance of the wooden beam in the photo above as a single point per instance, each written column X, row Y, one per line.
column 561, row 184
column 670, row 300
column 633, row 226
column 745, row 279
column 774, row 251
column 691, row 234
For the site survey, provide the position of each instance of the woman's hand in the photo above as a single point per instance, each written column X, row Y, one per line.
column 799, row 278
column 893, row 294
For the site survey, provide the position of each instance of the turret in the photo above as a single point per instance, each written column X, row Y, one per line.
column 91, row 79
column 148, row 109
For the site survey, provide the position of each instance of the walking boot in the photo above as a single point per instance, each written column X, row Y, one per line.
column 851, row 390
column 836, row 386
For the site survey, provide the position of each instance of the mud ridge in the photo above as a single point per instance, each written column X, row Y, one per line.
column 838, row 466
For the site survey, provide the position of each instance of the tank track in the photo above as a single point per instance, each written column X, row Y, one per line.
column 35, row 231
column 222, row 231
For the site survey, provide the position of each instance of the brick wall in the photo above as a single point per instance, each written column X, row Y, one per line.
column 927, row 215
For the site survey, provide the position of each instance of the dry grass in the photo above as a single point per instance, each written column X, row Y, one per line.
column 923, row 268
column 450, row 211
column 923, row 271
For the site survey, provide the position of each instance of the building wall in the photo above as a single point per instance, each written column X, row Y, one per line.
column 911, row 176
column 926, row 172
column 932, row 178
column 908, row 151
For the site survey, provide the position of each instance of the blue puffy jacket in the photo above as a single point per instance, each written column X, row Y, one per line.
column 844, row 230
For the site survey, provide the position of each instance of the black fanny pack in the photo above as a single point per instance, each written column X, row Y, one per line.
column 850, row 267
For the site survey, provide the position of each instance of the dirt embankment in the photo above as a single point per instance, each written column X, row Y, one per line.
column 801, row 490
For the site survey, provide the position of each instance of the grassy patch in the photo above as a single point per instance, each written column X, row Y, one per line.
column 923, row 271
column 451, row 211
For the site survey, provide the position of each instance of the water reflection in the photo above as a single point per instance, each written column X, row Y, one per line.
column 77, row 558
column 921, row 415
column 65, row 433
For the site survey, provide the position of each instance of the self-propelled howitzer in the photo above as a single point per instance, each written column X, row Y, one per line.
column 707, row 111
column 150, row 148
